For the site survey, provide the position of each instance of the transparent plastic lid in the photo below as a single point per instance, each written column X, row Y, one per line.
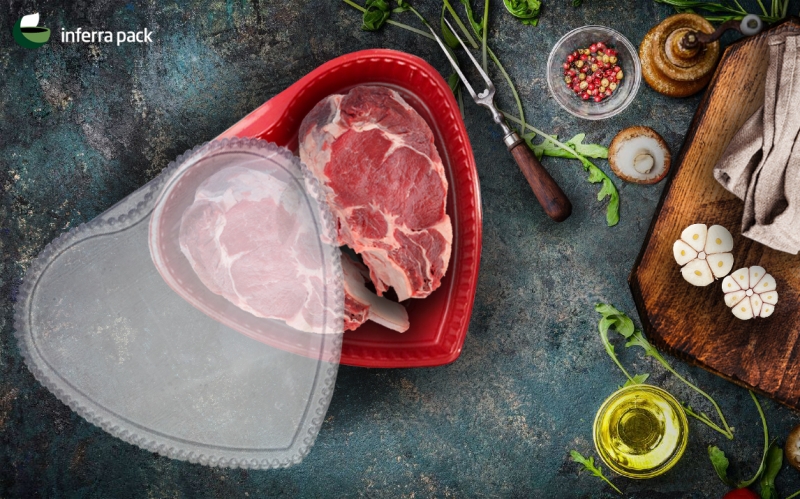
column 201, row 317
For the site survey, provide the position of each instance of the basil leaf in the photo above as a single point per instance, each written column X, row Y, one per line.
column 375, row 15
column 523, row 9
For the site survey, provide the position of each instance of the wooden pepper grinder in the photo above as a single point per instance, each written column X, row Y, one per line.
column 679, row 55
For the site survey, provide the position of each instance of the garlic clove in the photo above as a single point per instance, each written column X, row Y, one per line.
column 750, row 301
column 683, row 252
column 756, row 274
column 770, row 297
column 755, row 303
column 729, row 285
column 721, row 264
column 697, row 273
column 743, row 310
column 732, row 299
column 767, row 283
column 742, row 277
column 695, row 236
column 718, row 240
column 711, row 247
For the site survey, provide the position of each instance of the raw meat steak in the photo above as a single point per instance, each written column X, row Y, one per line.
column 385, row 182
column 361, row 304
column 248, row 238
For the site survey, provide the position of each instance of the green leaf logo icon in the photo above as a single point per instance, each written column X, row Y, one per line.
column 28, row 34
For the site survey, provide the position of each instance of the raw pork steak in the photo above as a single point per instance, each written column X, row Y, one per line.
column 361, row 304
column 248, row 238
column 385, row 182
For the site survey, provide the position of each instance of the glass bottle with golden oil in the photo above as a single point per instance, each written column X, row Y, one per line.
column 640, row 431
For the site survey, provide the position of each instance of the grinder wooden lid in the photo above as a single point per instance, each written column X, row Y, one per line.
column 671, row 69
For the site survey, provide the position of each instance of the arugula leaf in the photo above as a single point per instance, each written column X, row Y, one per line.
column 763, row 464
column 375, row 15
column 636, row 380
column 548, row 148
column 616, row 319
column 375, row 19
column 588, row 464
column 720, row 463
column 774, row 463
column 574, row 148
column 624, row 326
column 612, row 211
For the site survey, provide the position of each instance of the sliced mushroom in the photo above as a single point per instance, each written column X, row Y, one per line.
column 638, row 154
column 792, row 449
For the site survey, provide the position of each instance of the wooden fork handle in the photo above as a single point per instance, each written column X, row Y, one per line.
column 549, row 194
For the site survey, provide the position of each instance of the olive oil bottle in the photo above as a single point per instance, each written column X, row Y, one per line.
column 640, row 431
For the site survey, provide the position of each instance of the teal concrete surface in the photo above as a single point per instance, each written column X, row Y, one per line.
column 84, row 125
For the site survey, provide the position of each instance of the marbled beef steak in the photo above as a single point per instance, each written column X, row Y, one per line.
column 248, row 238
column 385, row 182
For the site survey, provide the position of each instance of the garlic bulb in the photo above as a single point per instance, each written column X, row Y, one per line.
column 750, row 292
column 704, row 253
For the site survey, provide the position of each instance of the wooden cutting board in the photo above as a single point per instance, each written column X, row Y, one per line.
column 694, row 323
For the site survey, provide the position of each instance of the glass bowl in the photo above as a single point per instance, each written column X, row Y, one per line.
column 628, row 61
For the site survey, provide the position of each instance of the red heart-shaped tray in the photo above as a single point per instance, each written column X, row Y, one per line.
column 439, row 322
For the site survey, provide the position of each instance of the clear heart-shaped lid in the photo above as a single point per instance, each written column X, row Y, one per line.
column 201, row 317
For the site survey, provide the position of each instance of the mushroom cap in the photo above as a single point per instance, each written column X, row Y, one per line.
column 792, row 448
column 639, row 142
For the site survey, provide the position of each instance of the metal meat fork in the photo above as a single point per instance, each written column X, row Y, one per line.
column 549, row 194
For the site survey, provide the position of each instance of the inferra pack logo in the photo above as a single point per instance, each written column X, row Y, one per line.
column 28, row 34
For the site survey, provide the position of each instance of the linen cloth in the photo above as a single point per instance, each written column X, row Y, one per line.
column 762, row 163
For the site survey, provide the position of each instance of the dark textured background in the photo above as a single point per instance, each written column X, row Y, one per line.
column 82, row 126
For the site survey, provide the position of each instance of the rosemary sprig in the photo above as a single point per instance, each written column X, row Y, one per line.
column 729, row 11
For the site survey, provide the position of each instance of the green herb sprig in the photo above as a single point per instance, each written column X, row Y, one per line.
column 720, row 462
column 774, row 464
column 622, row 324
column 479, row 29
column 729, row 11
column 574, row 148
column 588, row 464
